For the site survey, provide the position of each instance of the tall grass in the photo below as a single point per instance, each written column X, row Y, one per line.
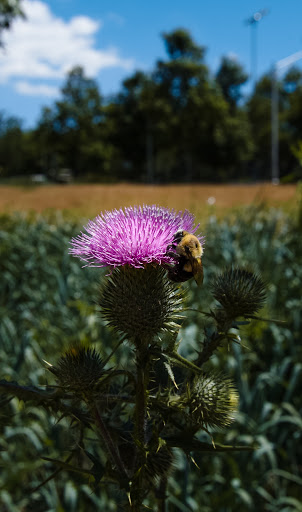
column 48, row 301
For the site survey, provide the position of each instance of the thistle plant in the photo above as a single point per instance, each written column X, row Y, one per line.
column 160, row 402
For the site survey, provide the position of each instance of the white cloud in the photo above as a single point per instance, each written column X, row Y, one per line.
column 30, row 89
column 46, row 47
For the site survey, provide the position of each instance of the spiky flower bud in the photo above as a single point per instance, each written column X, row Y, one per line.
column 140, row 303
column 79, row 369
column 212, row 401
column 240, row 292
column 158, row 464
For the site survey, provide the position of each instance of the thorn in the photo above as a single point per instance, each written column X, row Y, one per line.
column 194, row 462
column 49, row 364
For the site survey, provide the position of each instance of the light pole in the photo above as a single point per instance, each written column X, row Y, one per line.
column 253, row 22
column 280, row 64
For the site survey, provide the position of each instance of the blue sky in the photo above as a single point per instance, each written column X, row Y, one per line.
column 111, row 39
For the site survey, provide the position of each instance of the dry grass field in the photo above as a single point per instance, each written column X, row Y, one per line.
column 89, row 200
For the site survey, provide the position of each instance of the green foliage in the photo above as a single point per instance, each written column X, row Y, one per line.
column 11, row 141
column 9, row 10
column 48, row 302
column 70, row 134
column 231, row 77
column 176, row 123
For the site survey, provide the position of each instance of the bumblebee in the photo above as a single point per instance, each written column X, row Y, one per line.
column 186, row 250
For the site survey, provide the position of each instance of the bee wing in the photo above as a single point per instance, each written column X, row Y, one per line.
column 197, row 270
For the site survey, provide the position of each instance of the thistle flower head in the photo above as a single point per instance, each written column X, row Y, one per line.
column 158, row 464
column 212, row 401
column 141, row 303
column 79, row 369
column 131, row 236
column 240, row 292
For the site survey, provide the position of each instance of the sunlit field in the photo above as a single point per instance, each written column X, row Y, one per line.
column 89, row 200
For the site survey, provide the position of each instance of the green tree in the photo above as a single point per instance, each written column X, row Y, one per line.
column 290, row 123
column 11, row 146
column 185, row 67
column 77, row 119
column 9, row 10
column 206, row 140
column 47, row 141
column 291, row 101
column 177, row 80
column 73, row 128
column 129, row 125
column 149, row 110
column 230, row 77
column 259, row 114
column 137, row 121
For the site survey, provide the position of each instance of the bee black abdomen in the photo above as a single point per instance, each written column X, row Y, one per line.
column 179, row 275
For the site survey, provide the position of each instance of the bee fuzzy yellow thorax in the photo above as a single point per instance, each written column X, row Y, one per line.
column 189, row 246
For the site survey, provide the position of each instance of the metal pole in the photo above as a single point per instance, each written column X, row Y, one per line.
column 275, row 127
column 253, row 22
column 254, row 53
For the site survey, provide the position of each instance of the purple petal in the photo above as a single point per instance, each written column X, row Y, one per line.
column 133, row 236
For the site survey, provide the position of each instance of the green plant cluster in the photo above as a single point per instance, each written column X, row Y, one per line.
column 48, row 302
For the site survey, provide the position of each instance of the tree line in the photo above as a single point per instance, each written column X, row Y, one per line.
column 177, row 123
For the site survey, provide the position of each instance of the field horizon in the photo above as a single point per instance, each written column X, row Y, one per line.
column 90, row 199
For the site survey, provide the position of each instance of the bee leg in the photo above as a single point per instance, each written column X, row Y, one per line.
column 173, row 255
column 177, row 274
column 172, row 268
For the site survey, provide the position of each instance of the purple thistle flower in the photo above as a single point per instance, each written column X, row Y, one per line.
column 131, row 236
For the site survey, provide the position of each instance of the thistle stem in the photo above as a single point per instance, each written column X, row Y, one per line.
column 111, row 448
column 141, row 399
column 142, row 381
column 161, row 495
column 208, row 349
column 140, row 407
column 185, row 363
column 212, row 343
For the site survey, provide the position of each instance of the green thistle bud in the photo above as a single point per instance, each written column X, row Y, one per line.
column 212, row 401
column 158, row 464
column 240, row 292
column 141, row 302
column 79, row 369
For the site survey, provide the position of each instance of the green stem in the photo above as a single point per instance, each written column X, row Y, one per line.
column 182, row 361
column 212, row 343
column 142, row 381
column 208, row 349
column 140, row 407
column 141, row 402
column 161, row 494
column 111, row 448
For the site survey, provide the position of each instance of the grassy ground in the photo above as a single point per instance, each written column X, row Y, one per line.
column 89, row 200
